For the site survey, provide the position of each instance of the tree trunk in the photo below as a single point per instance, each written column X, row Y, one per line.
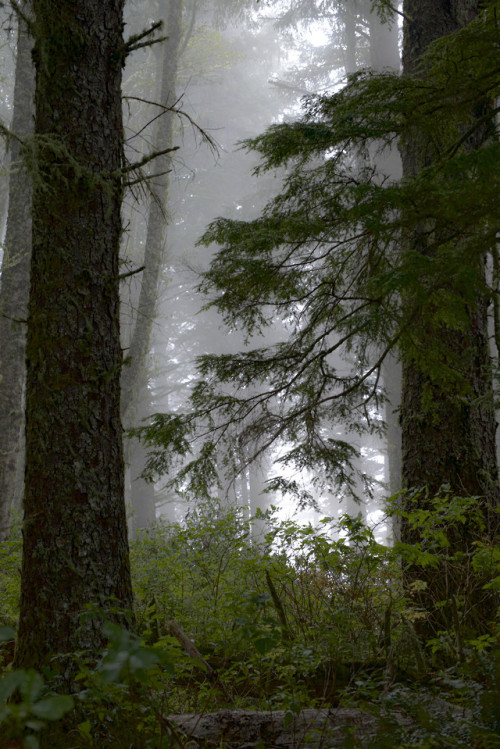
column 142, row 494
column 448, row 423
column 133, row 373
column 15, row 286
column 259, row 472
column 75, row 536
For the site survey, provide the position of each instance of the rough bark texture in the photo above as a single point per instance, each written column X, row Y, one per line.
column 14, row 288
column 452, row 441
column 448, row 430
column 75, row 538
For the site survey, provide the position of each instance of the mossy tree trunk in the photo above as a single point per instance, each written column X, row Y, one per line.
column 447, row 414
column 14, row 288
column 75, row 535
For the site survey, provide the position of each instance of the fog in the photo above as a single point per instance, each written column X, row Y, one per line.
column 240, row 68
column 215, row 74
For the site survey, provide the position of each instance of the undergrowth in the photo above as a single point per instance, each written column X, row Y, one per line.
column 307, row 617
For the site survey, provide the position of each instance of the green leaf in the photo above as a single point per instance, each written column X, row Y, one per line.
column 31, row 687
column 53, row 707
column 10, row 683
column 31, row 742
column 7, row 634
column 84, row 729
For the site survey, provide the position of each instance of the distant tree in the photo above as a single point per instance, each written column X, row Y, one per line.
column 75, row 539
column 135, row 405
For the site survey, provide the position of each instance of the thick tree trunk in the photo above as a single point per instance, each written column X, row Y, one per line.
column 14, row 288
column 75, row 538
column 448, row 423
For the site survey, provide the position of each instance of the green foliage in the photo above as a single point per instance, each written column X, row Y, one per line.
column 330, row 264
column 10, row 578
column 35, row 704
column 310, row 617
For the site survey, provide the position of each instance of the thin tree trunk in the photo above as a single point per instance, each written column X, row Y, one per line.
column 75, row 537
column 133, row 373
column 14, row 288
column 142, row 494
column 384, row 55
column 261, row 500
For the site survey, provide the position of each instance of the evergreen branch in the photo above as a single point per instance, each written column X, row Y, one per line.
column 478, row 122
column 134, row 42
column 143, row 161
column 176, row 110
column 145, row 178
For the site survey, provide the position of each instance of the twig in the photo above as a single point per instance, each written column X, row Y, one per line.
column 131, row 273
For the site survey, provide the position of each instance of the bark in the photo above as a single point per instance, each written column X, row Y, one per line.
column 15, row 287
column 448, row 424
column 75, row 536
column 452, row 440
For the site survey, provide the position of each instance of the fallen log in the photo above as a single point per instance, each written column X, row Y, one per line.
column 249, row 729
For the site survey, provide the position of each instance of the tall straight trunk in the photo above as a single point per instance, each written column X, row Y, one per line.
column 14, row 287
column 75, row 537
column 133, row 377
column 384, row 55
column 258, row 475
column 142, row 493
column 448, row 430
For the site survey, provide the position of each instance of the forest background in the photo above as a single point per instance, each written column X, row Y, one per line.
column 364, row 263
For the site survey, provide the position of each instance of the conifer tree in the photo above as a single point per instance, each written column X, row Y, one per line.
column 362, row 264
column 75, row 536
column 447, row 411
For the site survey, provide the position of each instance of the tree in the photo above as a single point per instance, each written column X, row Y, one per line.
column 75, row 540
column 447, row 411
column 453, row 407
column 134, row 376
column 360, row 264
column 15, row 286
